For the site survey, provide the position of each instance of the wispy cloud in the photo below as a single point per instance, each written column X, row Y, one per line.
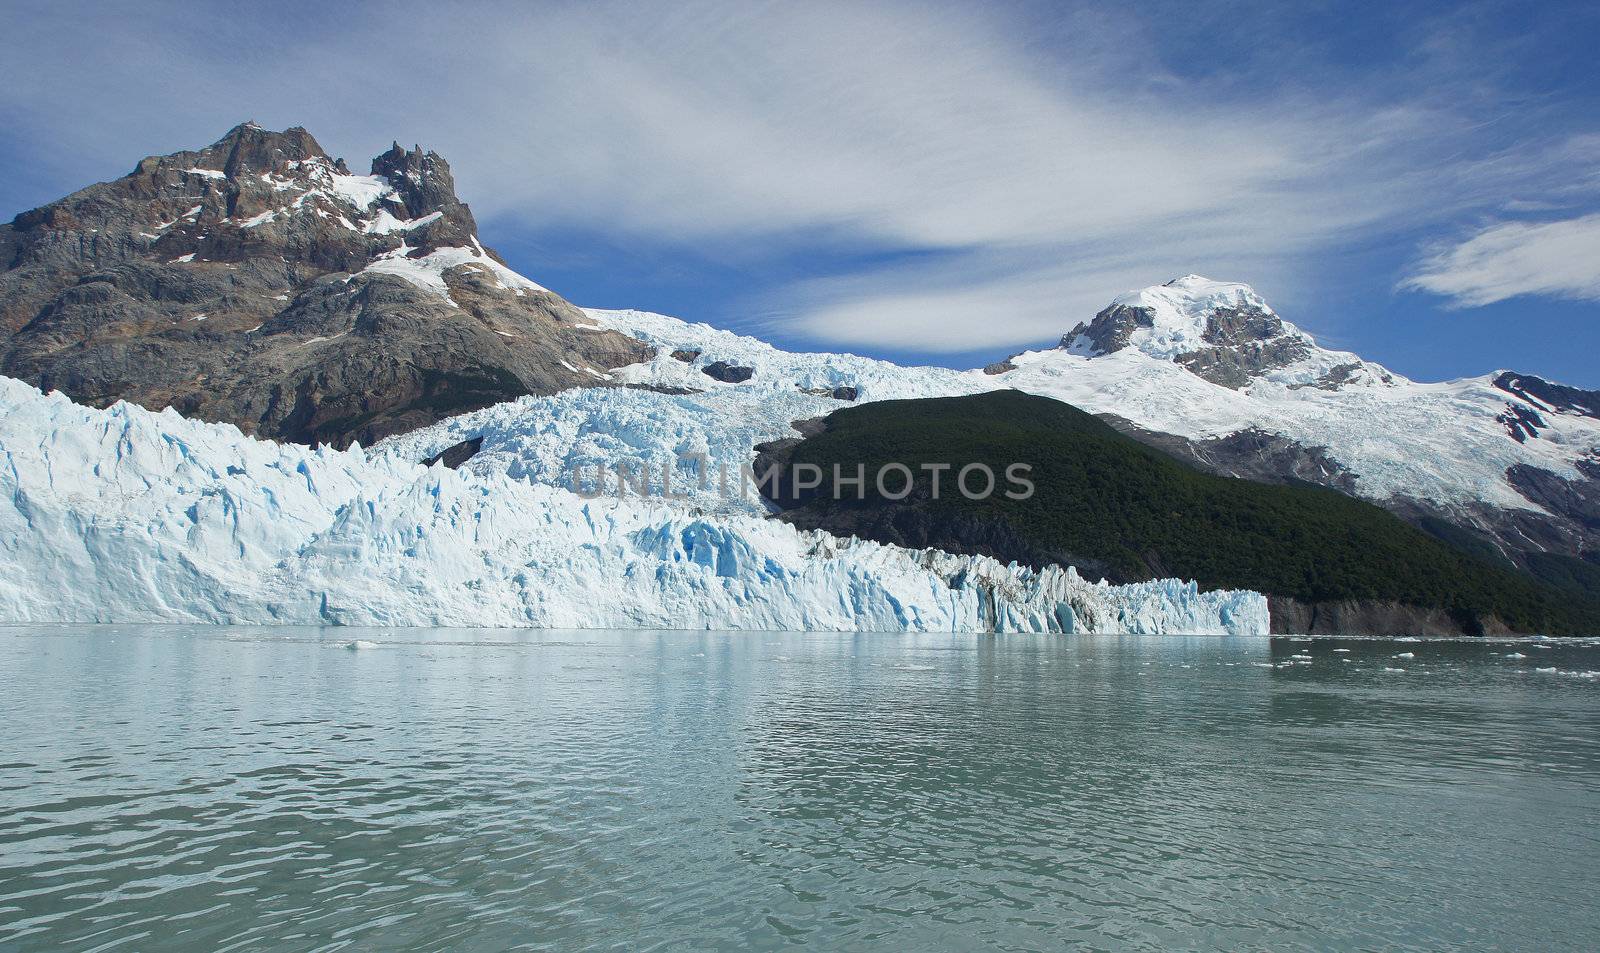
column 1019, row 167
column 1559, row 259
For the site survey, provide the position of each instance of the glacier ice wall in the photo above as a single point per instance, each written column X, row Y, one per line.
column 124, row 515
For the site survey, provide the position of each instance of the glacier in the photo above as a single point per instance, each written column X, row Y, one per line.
column 1442, row 442
column 129, row 515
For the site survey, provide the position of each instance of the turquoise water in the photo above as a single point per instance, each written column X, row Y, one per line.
column 170, row 788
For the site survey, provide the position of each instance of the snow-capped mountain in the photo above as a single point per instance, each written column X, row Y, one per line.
column 260, row 282
column 1222, row 332
column 1207, row 370
column 1203, row 369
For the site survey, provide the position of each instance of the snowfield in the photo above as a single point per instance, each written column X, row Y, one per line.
column 1439, row 442
column 125, row 515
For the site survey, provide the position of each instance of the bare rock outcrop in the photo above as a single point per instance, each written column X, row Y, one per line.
column 258, row 282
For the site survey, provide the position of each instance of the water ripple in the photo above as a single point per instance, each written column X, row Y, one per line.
column 169, row 788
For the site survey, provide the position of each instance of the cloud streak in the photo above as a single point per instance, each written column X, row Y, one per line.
column 1510, row 259
column 1013, row 182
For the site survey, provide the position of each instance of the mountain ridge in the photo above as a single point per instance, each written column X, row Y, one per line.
column 258, row 281
column 1117, row 509
column 1208, row 372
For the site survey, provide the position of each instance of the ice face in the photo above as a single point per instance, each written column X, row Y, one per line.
column 124, row 515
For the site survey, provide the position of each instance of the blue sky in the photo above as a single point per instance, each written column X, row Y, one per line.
column 930, row 183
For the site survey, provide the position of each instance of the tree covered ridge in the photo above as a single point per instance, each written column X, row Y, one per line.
column 1112, row 505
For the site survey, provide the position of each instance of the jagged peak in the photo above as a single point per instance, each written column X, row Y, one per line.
column 422, row 180
column 251, row 148
column 397, row 156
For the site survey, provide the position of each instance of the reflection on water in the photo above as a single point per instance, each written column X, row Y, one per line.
column 168, row 788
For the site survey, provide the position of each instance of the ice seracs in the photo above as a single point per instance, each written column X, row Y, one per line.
column 124, row 515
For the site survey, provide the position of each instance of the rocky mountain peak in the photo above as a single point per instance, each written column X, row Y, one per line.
column 1222, row 331
column 255, row 193
column 258, row 281
column 421, row 181
column 246, row 148
column 254, row 150
column 1172, row 318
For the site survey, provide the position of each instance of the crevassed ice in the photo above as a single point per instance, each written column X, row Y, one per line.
column 124, row 515
column 1440, row 442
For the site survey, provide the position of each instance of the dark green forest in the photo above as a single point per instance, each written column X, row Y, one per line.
column 1137, row 513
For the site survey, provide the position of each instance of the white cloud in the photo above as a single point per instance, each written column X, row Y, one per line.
column 990, row 301
column 1559, row 259
column 1044, row 177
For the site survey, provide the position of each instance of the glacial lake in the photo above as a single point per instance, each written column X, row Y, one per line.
column 194, row 788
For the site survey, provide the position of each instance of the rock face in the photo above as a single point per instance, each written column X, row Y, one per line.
column 258, row 282
column 455, row 455
column 1249, row 455
column 727, row 373
column 1551, row 397
column 1293, row 617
